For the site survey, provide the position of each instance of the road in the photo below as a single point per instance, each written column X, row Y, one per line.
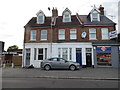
column 57, row 83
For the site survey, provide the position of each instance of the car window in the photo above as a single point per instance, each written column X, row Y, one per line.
column 61, row 59
column 54, row 59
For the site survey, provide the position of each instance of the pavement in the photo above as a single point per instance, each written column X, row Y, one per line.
column 83, row 73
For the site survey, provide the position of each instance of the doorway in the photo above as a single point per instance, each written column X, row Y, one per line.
column 79, row 56
column 88, row 59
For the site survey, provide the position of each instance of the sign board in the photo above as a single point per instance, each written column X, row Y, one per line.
column 103, row 48
column 113, row 34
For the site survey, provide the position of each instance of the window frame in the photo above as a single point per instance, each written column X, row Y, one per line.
column 33, row 35
column 92, row 33
column 73, row 33
column 103, row 33
column 42, row 35
column 68, row 18
column 40, row 19
column 61, row 32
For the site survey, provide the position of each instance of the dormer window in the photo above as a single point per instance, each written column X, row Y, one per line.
column 66, row 15
column 95, row 14
column 40, row 17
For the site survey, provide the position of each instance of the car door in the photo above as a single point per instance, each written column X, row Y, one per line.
column 54, row 63
column 63, row 63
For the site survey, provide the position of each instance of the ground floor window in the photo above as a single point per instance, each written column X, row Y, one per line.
column 40, row 53
column 104, row 59
column 104, row 55
column 65, row 53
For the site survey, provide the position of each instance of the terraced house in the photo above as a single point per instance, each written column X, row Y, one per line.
column 80, row 38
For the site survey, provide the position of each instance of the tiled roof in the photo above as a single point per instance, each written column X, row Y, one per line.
column 74, row 21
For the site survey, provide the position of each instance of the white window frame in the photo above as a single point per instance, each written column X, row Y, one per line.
column 104, row 33
column 68, row 18
column 61, row 33
column 40, row 19
column 33, row 35
column 42, row 35
column 92, row 33
column 95, row 18
column 73, row 32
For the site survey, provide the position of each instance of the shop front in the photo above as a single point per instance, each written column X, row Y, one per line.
column 106, row 53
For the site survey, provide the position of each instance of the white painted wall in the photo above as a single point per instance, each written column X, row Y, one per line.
column 55, row 47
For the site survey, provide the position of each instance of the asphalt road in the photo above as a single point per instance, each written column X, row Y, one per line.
column 57, row 83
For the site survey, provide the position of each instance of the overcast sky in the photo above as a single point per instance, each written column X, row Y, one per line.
column 14, row 14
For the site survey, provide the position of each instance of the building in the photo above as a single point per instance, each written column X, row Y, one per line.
column 12, row 56
column 1, row 50
column 79, row 38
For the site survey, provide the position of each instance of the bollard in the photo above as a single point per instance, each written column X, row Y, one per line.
column 4, row 65
column 13, row 65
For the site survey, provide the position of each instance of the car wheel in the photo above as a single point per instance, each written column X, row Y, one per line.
column 72, row 67
column 47, row 67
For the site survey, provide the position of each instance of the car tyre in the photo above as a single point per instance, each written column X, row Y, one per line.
column 47, row 67
column 72, row 67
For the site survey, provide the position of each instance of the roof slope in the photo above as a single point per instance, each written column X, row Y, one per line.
column 74, row 21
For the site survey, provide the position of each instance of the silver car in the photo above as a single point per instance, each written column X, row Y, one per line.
column 59, row 63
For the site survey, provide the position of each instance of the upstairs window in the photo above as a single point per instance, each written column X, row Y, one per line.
column 61, row 35
column 43, row 34
column 33, row 35
column 40, row 19
column 105, row 35
column 73, row 34
column 92, row 34
column 95, row 16
column 67, row 18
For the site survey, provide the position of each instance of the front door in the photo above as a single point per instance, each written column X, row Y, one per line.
column 79, row 56
column 28, row 56
column 88, row 59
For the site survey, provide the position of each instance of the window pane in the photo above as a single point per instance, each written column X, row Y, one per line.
column 65, row 53
column 40, row 19
column 40, row 57
column 105, row 33
column 35, row 52
column 73, row 36
column 92, row 33
column 61, row 34
column 44, row 35
column 70, row 51
column 33, row 35
column 72, row 33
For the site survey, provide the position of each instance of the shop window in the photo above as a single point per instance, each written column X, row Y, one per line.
column 104, row 59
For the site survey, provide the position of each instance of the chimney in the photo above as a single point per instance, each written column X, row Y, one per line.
column 101, row 8
column 54, row 12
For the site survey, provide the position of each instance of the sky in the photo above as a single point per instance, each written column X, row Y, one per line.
column 14, row 14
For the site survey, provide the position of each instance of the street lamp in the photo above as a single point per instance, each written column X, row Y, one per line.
column 51, row 34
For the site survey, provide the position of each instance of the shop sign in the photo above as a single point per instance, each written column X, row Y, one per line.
column 103, row 48
column 112, row 34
